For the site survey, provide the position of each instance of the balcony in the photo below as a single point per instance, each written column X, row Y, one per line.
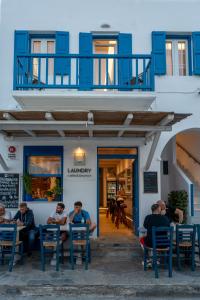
column 107, row 76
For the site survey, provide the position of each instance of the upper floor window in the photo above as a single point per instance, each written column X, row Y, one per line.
column 177, row 57
column 40, row 46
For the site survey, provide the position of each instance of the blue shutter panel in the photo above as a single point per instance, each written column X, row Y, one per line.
column 22, row 48
column 85, row 64
column 159, row 52
column 124, row 65
column 62, row 65
column 196, row 52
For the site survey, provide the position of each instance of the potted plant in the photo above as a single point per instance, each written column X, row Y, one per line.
column 179, row 199
column 27, row 181
column 49, row 195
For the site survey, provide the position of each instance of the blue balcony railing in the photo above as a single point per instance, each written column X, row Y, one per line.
column 74, row 71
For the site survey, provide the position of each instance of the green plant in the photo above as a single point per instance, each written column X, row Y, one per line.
column 27, row 181
column 179, row 199
column 57, row 190
column 49, row 193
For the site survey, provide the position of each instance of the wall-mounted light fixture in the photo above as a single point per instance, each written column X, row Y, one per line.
column 79, row 157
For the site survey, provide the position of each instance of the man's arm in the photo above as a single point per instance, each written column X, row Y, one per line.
column 71, row 216
column 17, row 216
column 50, row 220
column 62, row 221
column 87, row 218
column 146, row 222
column 179, row 213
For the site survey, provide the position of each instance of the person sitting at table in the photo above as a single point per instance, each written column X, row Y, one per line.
column 174, row 215
column 5, row 216
column 154, row 219
column 59, row 216
column 78, row 216
column 25, row 217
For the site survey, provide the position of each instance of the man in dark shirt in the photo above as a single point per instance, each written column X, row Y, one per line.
column 25, row 217
column 155, row 219
column 175, row 215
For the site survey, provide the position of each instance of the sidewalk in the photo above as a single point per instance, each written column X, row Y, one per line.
column 116, row 269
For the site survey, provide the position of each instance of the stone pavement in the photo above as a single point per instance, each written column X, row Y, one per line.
column 115, row 271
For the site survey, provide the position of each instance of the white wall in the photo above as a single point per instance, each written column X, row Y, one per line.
column 137, row 17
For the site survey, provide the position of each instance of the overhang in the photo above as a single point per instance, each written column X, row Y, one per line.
column 81, row 100
column 87, row 124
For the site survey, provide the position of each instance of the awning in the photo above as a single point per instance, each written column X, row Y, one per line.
column 87, row 124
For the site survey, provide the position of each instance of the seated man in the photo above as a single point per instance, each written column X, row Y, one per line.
column 59, row 216
column 25, row 217
column 5, row 216
column 174, row 215
column 78, row 216
column 155, row 219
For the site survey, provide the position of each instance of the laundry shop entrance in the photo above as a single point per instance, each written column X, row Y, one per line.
column 118, row 209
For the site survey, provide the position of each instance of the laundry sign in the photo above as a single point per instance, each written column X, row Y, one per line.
column 79, row 172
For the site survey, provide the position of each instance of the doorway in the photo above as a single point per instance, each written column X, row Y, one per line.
column 118, row 213
column 104, row 69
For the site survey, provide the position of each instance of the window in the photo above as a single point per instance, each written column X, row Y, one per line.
column 39, row 46
column 44, row 166
column 177, row 57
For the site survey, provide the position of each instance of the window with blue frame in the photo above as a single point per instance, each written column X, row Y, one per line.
column 177, row 57
column 44, row 167
column 173, row 53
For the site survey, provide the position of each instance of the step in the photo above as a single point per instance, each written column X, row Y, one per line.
column 128, row 290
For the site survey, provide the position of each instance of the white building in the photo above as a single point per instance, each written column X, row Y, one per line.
column 94, row 92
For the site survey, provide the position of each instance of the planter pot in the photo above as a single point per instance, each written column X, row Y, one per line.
column 28, row 197
column 50, row 198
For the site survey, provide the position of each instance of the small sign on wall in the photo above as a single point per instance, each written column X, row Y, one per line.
column 150, row 182
column 9, row 190
column 12, row 152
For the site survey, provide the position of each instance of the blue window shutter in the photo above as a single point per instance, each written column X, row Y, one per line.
column 159, row 52
column 85, row 64
column 62, row 65
column 22, row 48
column 124, row 65
column 196, row 52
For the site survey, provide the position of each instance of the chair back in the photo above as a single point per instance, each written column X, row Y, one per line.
column 162, row 237
column 8, row 232
column 198, row 233
column 79, row 232
column 49, row 233
column 185, row 233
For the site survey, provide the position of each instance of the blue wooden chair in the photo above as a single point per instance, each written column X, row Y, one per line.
column 50, row 243
column 79, row 243
column 185, row 244
column 9, row 244
column 198, row 238
column 162, row 240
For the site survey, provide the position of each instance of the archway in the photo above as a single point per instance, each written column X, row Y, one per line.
column 180, row 168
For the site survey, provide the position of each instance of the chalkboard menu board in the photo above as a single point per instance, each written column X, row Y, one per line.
column 150, row 182
column 9, row 190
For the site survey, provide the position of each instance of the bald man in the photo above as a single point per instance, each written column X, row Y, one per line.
column 174, row 215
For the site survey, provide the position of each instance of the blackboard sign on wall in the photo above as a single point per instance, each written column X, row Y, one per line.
column 150, row 182
column 9, row 190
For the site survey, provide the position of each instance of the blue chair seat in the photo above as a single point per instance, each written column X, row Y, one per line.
column 9, row 244
column 50, row 243
column 185, row 244
column 79, row 242
column 161, row 248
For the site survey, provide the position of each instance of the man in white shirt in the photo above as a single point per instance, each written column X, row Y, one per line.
column 5, row 216
column 59, row 217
